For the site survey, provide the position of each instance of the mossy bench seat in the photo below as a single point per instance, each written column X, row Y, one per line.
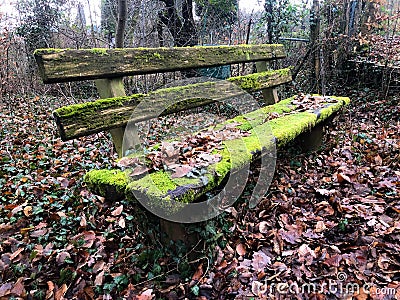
column 249, row 133
column 285, row 119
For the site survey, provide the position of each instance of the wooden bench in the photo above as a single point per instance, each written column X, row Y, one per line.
column 250, row 133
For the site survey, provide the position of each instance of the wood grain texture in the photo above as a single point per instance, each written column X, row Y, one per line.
column 63, row 65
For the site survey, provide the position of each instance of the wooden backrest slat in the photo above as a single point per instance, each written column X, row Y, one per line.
column 64, row 65
column 104, row 114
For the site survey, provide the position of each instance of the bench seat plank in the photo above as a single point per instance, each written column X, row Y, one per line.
column 64, row 65
column 92, row 117
column 161, row 187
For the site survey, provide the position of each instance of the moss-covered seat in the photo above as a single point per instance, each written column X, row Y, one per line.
column 284, row 119
column 237, row 142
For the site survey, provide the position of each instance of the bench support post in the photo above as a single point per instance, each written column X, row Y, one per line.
column 109, row 88
column 270, row 95
column 312, row 140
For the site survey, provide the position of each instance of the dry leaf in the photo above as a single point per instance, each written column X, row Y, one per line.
column 87, row 236
column 320, row 226
column 139, row 170
column 241, row 249
column 16, row 253
column 263, row 227
column 341, row 178
column 99, row 279
column 181, row 171
column 60, row 292
column 117, row 211
column 50, row 290
column 128, row 162
column 62, row 256
column 5, row 289
column 121, row 222
column 98, row 266
column 378, row 160
column 38, row 233
column 18, row 289
column 199, row 273
column 146, row 295
column 83, row 222
column 28, row 211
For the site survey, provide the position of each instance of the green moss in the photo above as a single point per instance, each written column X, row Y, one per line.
column 99, row 51
column 259, row 116
column 40, row 52
column 158, row 55
column 186, row 181
column 288, row 127
column 100, row 180
column 326, row 112
column 89, row 107
column 256, row 81
column 155, row 185
column 224, row 166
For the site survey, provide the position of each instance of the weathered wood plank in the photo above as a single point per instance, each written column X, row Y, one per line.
column 92, row 117
column 63, row 65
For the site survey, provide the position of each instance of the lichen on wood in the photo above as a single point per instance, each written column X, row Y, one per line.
column 92, row 117
column 63, row 65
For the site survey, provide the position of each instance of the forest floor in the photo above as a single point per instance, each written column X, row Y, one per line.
column 329, row 227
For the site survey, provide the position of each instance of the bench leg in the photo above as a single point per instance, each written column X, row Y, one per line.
column 175, row 231
column 270, row 96
column 312, row 140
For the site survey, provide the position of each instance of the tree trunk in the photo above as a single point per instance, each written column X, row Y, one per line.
column 314, row 39
column 270, row 19
column 181, row 26
column 121, row 24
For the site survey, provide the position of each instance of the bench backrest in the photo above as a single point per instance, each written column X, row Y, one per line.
column 108, row 67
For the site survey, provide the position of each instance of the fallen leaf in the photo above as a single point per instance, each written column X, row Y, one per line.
column 28, row 211
column 263, row 227
column 18, row 289
column 260, row 261
column 16, row 253
column 62, row 256
column 88, row 238
column 60, row 292
column 117, row 211
column 99, row 279
column 146, row 295
column 342, row 178
column 378, row 160
column 98, row 266
column 63, row 181
column 38, row 233
column 181, row 171
column 138, row 170
column 121, row 222
column 26, row 230
column 128, row 162
column 199, row 273
column 83, row 222
column 320, row 226
column 50, row 290
column 241, row 249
